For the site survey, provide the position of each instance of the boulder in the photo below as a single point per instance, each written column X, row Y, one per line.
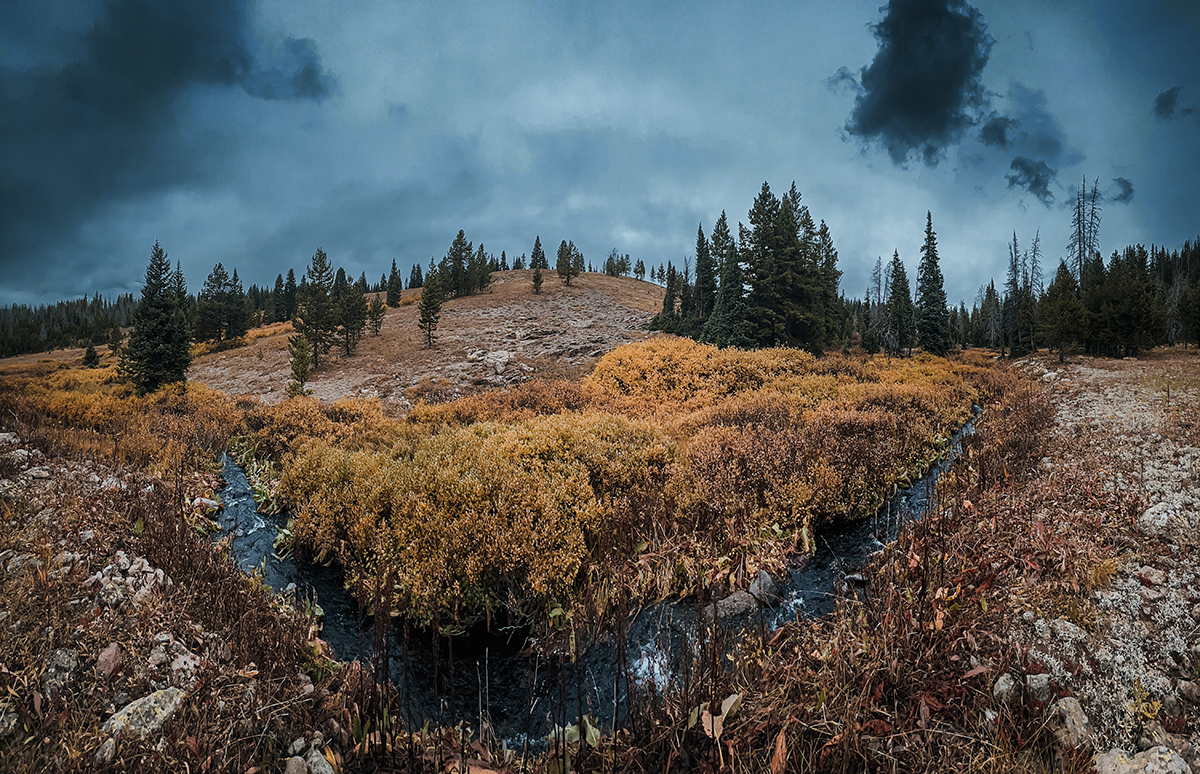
column 764, row 589
column 1157, row 760
column 1039, row 688
column 61, row 666
column 317, row 763
column 109, row 660
column 1070, row 725
column 296, row 765
column 1005, row 689
column 145, row 716
column 106, row 753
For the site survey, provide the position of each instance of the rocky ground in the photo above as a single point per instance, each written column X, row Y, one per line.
column 1122, row 677
column 503, row 336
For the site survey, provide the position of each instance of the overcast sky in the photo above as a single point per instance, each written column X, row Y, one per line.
column 253, row 133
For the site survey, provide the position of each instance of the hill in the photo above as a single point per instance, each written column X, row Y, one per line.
column 503, row 336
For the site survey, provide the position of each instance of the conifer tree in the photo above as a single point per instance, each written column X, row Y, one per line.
column 298, row 348
column 537, row 258
column 237, row 320
column 91, row 359
column 213, row 306
column 639, row 270
column 900, row 308
column 933, row 317
column 727, row 326
column 1063, row 314
column 415, row 278
column 706, row 277
column 456, row 278
column 350, row 312
column 569, row 260
column 315, row 315
column 503, row 261
column 280, row 301
column 395, row 285
column 537, row 280
column 375, row 313
column 289, row 295
column 430, row 306
column 158, row 351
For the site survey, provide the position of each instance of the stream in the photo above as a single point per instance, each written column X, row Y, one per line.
column 484, row 677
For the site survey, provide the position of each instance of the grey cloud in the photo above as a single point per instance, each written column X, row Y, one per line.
column 995, row 131
column 1124, row 194
column 103, row 124
column 1034, row 176
column 923, row 89
column 843, row 79
column 1164, row 104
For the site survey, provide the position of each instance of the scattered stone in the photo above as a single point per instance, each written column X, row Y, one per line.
column 296, row 765
column 18, row 456
column 1070, row 725
column 497, row 360
column 16, row 563
column 317, row 763
column 1189, row 691
column 1151, row 576
column 735, row 604
column 41, row 472
column 206, row 504
column 764, row 589
column 60, row 671
column 1005, row 689
column 1039, row 688
column 87, row 535
column 146, row 715
column 298, row 746
column 9, row 722
column 1158, row 760
column 107, row 752
column 8, row 438
column 109, row 660
column 1155, row 520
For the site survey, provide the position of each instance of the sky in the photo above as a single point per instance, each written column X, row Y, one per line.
column 252, row 133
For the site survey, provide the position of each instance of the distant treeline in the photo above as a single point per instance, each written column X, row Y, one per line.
column 63, row 324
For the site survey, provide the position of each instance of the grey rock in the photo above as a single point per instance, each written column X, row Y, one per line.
column 87, row 535
column 764, row 589
column 1152, row 575
column 146, row 715
column 8, row 438
column 737, row 603
column 298, row 746
column 18, row 456
column 9, row 724
column 1070, row 725
column 1005, row 689
column 1039, row 687
column 317, row 763
column 1158, row 760
column 21, row 561
column 107, row 752
column 61, row 665
column 41, row 472
column 296, row 765
column 109, row 660
column 1189, row 691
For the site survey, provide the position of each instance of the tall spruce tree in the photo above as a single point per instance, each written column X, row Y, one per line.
column 415, row 278
column 375, row 314
column 706, row 277
column 537, row 258
column 569, row 260
column 158, row 351
column 933, row 317
column 900, row 308
column 537, row 280
column 350, row 311
column 456, row 278
column 315, row 315
column 429, row 308
column 727, row 326
column 277, row 295
column 289, row 295
column 212, row 307
column 395, row 286
column 1063, row 314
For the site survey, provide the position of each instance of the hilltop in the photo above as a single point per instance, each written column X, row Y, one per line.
column 503, row 336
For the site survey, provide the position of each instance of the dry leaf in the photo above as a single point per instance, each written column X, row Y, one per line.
column 779, row 759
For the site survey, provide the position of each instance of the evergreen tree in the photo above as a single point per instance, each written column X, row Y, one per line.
column 238, row 311
column 315, row 314
column 298, row 348
column 520, row 263
column 430, row 306
column 350, row 312
column 91, row 359
column 280, row 301
column 1064, row 317
column 727, row 326
column 361, row 284
column 158, row 351
column 568, row 262
column 831, row 276
column 415, row 278
column 395, row 284
column 900, row 308
column 706, row 277
column 212, row 306
column 375, row 313
column 537, row 280
column 537, row 259
column 762, row 254
column 639, row 271
column 480, row 271
column 933, row 318
column 289, row 295
column 456, row 278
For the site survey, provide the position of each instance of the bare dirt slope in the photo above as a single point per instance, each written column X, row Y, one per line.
column 503, row 336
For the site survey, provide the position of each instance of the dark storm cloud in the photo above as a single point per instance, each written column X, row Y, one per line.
column 1124, row 194
column 102, row 124
column 1164, row 104
column 923, row 89
column 1034, row 176
column 995, row 131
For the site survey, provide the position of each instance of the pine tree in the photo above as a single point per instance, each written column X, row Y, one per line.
column 727, row 326
column 212, row 306
column 430, row 306
column 277, row 295
column 1063, row 314
column 503, row 261
column 900, row 308
column 315, row 316
column 933, row 318
column 395, row 285
column 831, row 276
column 568, row 262
column 298, row 348
column 289, row 295
column 639, row 271
column 537, row 259
column 761, row 250
column 415, row 278
column 237, row 320
column 706, row 277
column 350, row 312
column 375, row 313
column 158, row 351
column 537, row 280
column 91, row 359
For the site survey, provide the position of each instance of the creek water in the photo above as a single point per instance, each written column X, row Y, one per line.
column 489, row 677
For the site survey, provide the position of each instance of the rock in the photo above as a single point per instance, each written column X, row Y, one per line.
column 1154, row 735
column 317, row 763
column 1039, row 688
column 110, row 596
column 1155, row 520
column 1005, row 689
column 87, row 535
column 207, row 505
column 296, row 765
column 298, row 746
column 38, row 472
column 764, row 589
column 16, row 563
column 1151, row 576
column 1158, row 760
column 7, row 439
column 146, row 715
column 60, row 671
column 107, row 752
column 497, row 360
column 18, row 456
column 1189, row 691
column 109, row 660
column 9, row 723
column 1070, row 725
column 735, row 604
